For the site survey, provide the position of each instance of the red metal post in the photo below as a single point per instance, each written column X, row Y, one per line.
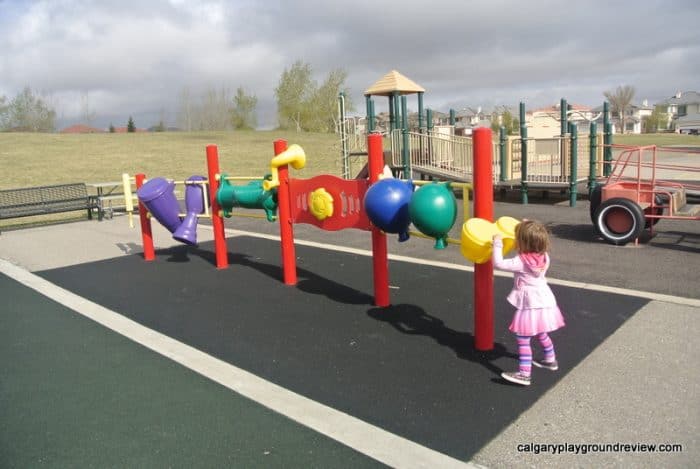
column 149, row 252
column 216, row 220
column 483, row 208
column 380, row 257
column 284, row 200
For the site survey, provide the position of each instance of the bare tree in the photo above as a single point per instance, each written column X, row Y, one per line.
column 620, row 101
column 215, row 110
column 4, row 112
column 28, row 113
column 185, row 114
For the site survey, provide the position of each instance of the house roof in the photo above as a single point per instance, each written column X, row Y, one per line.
column 81, row 129
column 393, row 82
column 686, row 97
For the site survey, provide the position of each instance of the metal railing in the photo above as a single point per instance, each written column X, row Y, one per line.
column 435, row 153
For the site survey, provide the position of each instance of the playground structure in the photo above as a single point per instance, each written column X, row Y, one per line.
column 636, row 195
column 331, row 203
column 562, row 162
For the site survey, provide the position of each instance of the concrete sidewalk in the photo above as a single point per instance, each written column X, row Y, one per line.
column 637, row 387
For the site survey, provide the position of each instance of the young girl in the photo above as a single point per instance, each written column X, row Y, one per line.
column 536, row 311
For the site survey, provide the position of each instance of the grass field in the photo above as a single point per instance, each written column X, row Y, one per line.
column 31, row 159
column 35, row 159
column 661, row 140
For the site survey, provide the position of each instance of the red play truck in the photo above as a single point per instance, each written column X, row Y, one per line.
column 646, row 184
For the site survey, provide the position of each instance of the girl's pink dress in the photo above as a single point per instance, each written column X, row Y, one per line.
column 535, row 304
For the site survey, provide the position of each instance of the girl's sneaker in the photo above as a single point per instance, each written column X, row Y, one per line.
column 516, row 377
column 553, row 365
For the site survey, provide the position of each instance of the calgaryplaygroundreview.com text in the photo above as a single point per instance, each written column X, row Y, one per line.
column 586, row 448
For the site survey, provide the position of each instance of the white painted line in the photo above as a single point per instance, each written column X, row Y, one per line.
column 468, row 268
column 372, row 441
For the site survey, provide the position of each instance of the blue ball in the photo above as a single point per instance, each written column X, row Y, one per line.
column 386, row 203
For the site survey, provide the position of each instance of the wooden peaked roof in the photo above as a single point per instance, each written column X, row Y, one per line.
column 393, row 82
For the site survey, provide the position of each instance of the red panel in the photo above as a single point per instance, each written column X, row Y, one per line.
column 348, row 196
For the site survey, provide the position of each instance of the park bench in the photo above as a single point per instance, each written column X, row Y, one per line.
column 42, row 200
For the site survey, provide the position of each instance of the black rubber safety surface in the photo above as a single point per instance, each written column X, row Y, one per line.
column 409, row 368
column 75, row 394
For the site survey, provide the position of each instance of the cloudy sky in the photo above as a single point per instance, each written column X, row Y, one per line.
column 135, row 57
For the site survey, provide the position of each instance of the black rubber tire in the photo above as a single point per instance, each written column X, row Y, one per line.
column 594, row 198
column 621, row 211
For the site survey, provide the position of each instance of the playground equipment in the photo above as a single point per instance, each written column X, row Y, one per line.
column 331, row 204
column 562, row 162
column 478, row 233
column 635, row 195
column 158, row 196
column 253, row 195
column 387, row 205
column 433, row 211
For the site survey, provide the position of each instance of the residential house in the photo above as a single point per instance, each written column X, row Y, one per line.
column 469, row 118
column 546, row 122
column 635, row 115
column 683, row 110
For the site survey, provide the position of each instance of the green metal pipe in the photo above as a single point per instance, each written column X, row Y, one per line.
column 368, row 104
column 564, row 118
column 593, row 156
column 453, row 117
column 607, row 140
column 573, row 187
column 404, row 135
column 523, row 156
column 502, row 139
column 420, row 111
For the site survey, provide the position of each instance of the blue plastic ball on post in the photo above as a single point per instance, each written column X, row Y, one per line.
column 386, row 203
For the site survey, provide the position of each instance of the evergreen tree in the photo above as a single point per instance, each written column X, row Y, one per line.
column 130, row 127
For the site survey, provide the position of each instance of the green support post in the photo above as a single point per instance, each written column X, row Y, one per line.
column 404, row 136
column 372, row 118
column 502, row 139
column 573, row 187
column 420, row 112
column 593, row 157
column 564, row 116
column 429, row 118
column 368, row 104
column 453, row 117
column 523, row 155
column 607, row 140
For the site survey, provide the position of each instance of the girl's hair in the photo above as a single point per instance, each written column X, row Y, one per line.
column 532, row 236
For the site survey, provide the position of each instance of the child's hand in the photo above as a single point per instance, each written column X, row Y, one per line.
column 497, row 237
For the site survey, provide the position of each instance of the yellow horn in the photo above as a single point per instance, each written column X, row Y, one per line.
column 293, row 155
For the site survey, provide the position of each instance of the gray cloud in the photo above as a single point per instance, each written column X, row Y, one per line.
column 135, row 58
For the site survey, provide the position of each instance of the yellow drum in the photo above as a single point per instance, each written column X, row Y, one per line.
column 477, row 236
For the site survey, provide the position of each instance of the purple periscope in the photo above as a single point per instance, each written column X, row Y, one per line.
column 158, row 195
